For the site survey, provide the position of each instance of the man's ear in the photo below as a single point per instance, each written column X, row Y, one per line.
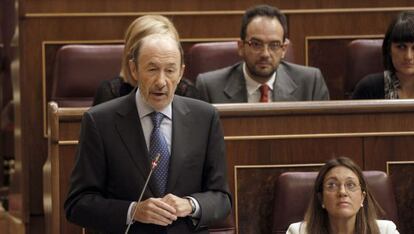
column 133, row 69
column 182, row 71
column 285, row 47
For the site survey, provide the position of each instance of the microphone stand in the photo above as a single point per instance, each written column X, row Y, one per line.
column 154, row 164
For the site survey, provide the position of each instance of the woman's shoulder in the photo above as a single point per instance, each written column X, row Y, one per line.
column 297, row 228
column 387, row 227
column 373, row 78
column 370, row 87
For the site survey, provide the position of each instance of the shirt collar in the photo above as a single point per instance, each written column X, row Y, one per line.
column 252, row 85
column 144, row 109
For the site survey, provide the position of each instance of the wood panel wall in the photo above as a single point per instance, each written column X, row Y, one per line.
column 77, row 21
column 265, row 140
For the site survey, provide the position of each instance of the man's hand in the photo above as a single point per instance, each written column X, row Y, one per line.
column 155, row 211
column 181, row 205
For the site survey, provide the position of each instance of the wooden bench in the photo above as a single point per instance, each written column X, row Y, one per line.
column 265, row 140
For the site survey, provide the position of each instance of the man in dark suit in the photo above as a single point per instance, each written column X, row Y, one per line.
column 117, row 145
column 263, row 76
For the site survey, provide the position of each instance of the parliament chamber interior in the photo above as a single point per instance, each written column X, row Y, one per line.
column 54, row 55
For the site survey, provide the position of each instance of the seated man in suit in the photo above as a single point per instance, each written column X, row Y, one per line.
column 188, row 189
column 263, row 76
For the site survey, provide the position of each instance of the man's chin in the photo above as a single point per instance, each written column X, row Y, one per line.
column 159, row 104
column 263, row 75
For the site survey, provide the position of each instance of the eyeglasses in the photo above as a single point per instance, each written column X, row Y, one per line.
column 332, row 186
column 257, row 45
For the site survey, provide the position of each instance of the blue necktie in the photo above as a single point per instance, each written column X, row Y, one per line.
column 158, row 145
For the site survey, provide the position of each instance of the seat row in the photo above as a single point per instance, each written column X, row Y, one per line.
column 79, row 69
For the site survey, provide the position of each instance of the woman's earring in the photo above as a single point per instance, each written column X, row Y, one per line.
column 362, row 204
column 323, row 206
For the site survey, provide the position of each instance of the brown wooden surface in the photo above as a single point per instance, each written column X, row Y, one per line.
column 57, row 169
column 320, row 54
column 264, row 140
column 45, row 22
column 370, row 132
column 403, row 175
column 46, row 6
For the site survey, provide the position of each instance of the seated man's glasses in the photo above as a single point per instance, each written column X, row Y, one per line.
column 335, row 186
column 273, row 46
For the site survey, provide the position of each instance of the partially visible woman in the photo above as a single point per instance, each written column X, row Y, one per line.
column 397, row 81
column 124, row 83
column 342, row 204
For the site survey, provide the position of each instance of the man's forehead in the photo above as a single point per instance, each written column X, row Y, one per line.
column 159, row 58
column 259, row 22
column 261, row 19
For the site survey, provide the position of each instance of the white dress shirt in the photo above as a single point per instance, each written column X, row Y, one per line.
column 253, row 87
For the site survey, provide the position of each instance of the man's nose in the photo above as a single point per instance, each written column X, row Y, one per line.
column 265, row 51
column 161, row 80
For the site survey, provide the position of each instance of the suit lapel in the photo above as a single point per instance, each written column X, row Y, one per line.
column 129, row 128
column 284, row 87
column 235, row 87
column 180, row 138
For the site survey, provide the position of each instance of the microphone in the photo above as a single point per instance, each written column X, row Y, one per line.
column 154, row 164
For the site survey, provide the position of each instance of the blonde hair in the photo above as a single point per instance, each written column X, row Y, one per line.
column 140, row 28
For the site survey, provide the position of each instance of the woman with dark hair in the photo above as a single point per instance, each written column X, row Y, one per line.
column 397, row 81
column 342, row 203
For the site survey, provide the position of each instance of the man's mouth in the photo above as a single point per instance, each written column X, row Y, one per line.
column 158, row 93
column 263, row 63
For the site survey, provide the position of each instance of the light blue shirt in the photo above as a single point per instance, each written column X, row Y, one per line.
column 144, row 111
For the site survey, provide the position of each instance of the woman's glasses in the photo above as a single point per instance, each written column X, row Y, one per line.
column 335, row 186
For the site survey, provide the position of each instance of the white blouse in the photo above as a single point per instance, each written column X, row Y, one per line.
column 385, row 227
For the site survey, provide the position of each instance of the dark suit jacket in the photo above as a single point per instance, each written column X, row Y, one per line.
column 370, row 87
column 112, row 164
column 293, row 83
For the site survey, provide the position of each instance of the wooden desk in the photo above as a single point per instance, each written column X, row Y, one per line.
column 264, row 140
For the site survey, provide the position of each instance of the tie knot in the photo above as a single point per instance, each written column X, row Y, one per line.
column 156, row 118
column 264, row 88
column 264, row 93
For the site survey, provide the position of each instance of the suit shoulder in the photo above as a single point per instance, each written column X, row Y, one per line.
column 296, row 67
column 108, row 107
column 300, row 73
column 219, row 74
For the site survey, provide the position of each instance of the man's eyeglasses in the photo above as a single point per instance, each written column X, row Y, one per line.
column 334, row 186
column 257, row 45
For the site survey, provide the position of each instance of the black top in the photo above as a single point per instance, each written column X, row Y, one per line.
column 110, row 89
column 117, row 87
column 370, row 87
